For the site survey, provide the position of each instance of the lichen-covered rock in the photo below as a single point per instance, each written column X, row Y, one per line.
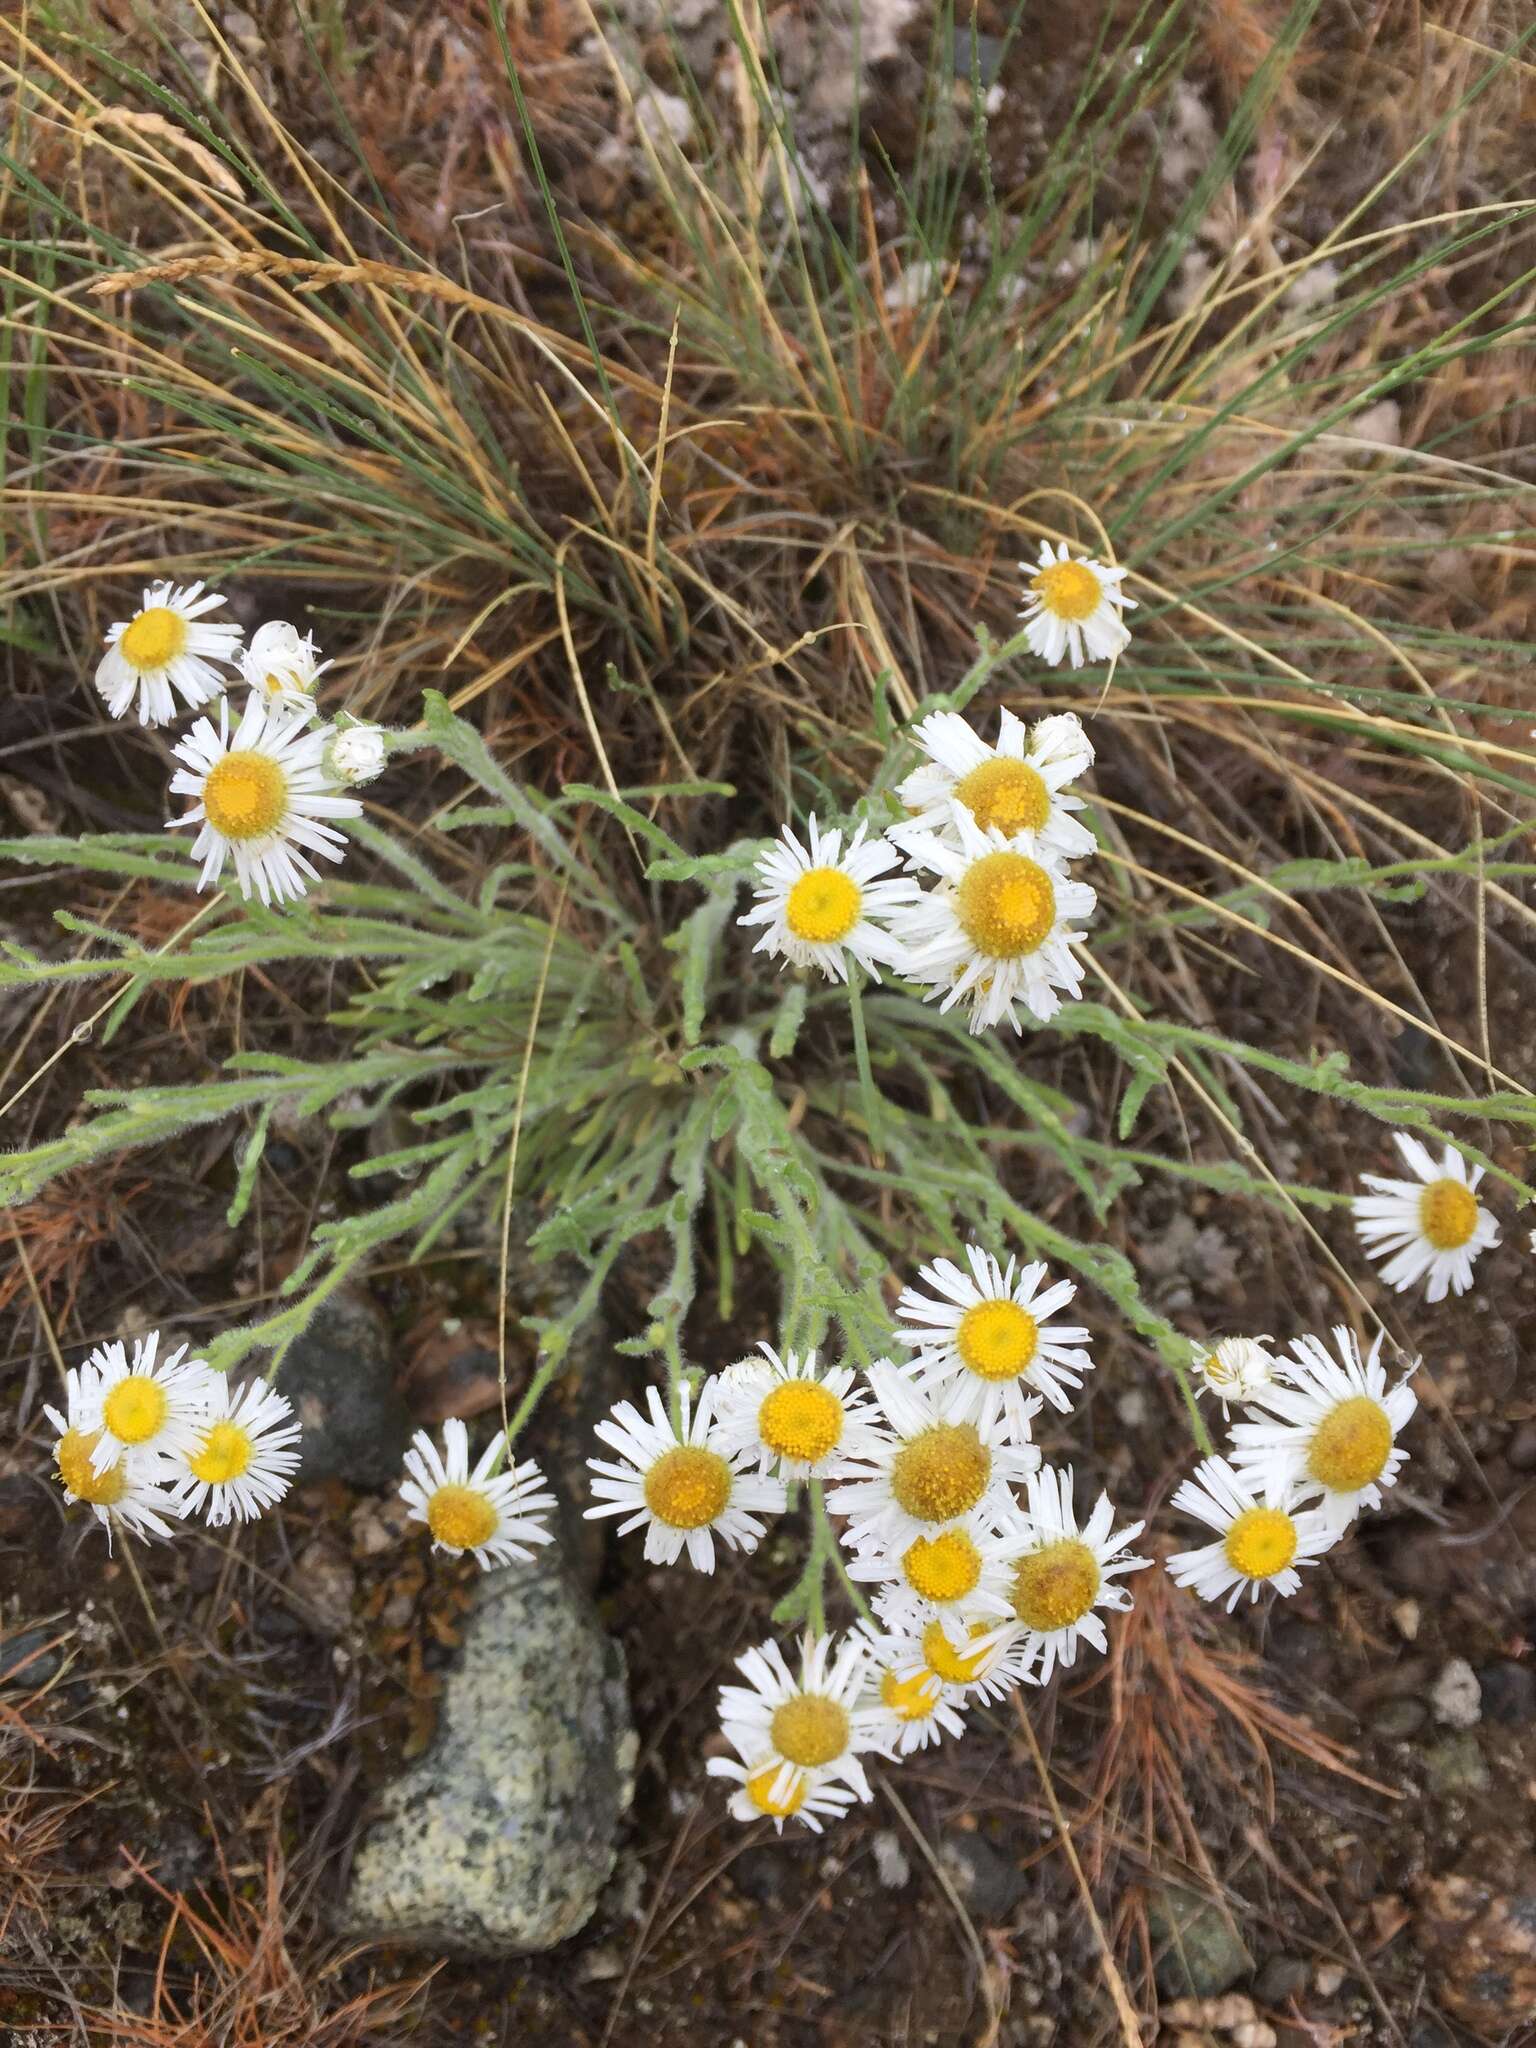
column 499, row 1840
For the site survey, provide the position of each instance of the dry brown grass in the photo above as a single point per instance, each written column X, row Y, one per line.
column 229, row 1971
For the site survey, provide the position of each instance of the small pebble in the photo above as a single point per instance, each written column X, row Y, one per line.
column 1508, row 1691
column 1281, row 1979
column 1455, row 1767
column 1327, row 1978
column 1457, row 1698
column 891, row 1865
column 31, row 1657
column 1406, row 1616
column 599, row 1965
column 1397, row 1720
column 1232, row 2010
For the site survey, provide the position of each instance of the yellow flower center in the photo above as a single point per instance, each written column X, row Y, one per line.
column 1006, row 905
column 1448, row 1214
column 1261, row 1542
column 1007, row 794
column 760, row 1792
column 823, row 906
column 809, row 1730
column 154, row 638
column 1069, row 590
column 245, row 795
column 687, row 1487
column 135, row 1410
column 461, row 1518
column 942, row 1473
column 1055, row 1586
column 1350, row 1445
column 73, row 1453
column 955, row 1667
column 910, row 1699
column 801, row 1420
column 1216, row 1370
column 225, row 1453
column 942, row 1568
column 997, row 1339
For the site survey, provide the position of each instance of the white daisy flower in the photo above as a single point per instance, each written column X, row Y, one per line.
column 809, row 1722
column 960, row 1572
column 1073, row 607
column 1062, row 1574
column 822, row 904
column 131, row 1494
column 494, row 1516
column 932, row 1467
column 1234, row 1369
column 1330, row 1429
column 261, row 795
column 166, row 649
column 1431, row 1226
column 678, row 1484
column 998, row 929
column 906, row 1704
column 787, row 1416
column 1262, row 1539
column 808, row 1799
column 1016, row 786
column 983, row 1661
column 356, row 754
column 245, row 1456
column 990, row 1332
column 147, row 1405
column 283, row 666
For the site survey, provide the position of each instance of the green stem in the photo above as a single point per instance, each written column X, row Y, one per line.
column 861, row 1060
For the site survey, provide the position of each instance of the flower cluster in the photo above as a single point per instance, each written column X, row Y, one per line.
column 991, row 828
column 266, row 786
column 982, row 1577
column 1318, row 1442
column 1318, row 1446
column 148, row 1440
column 144, row 1441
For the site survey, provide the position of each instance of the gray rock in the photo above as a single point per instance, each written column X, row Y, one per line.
column 989, row 1884
column 26, row 1661
column 1397, row 1720
column 1281, row 1979
column 499, row 1840
column 1455, row 1768
column 340, row 1377
column 1508, row 1691
column 1202, row 1953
